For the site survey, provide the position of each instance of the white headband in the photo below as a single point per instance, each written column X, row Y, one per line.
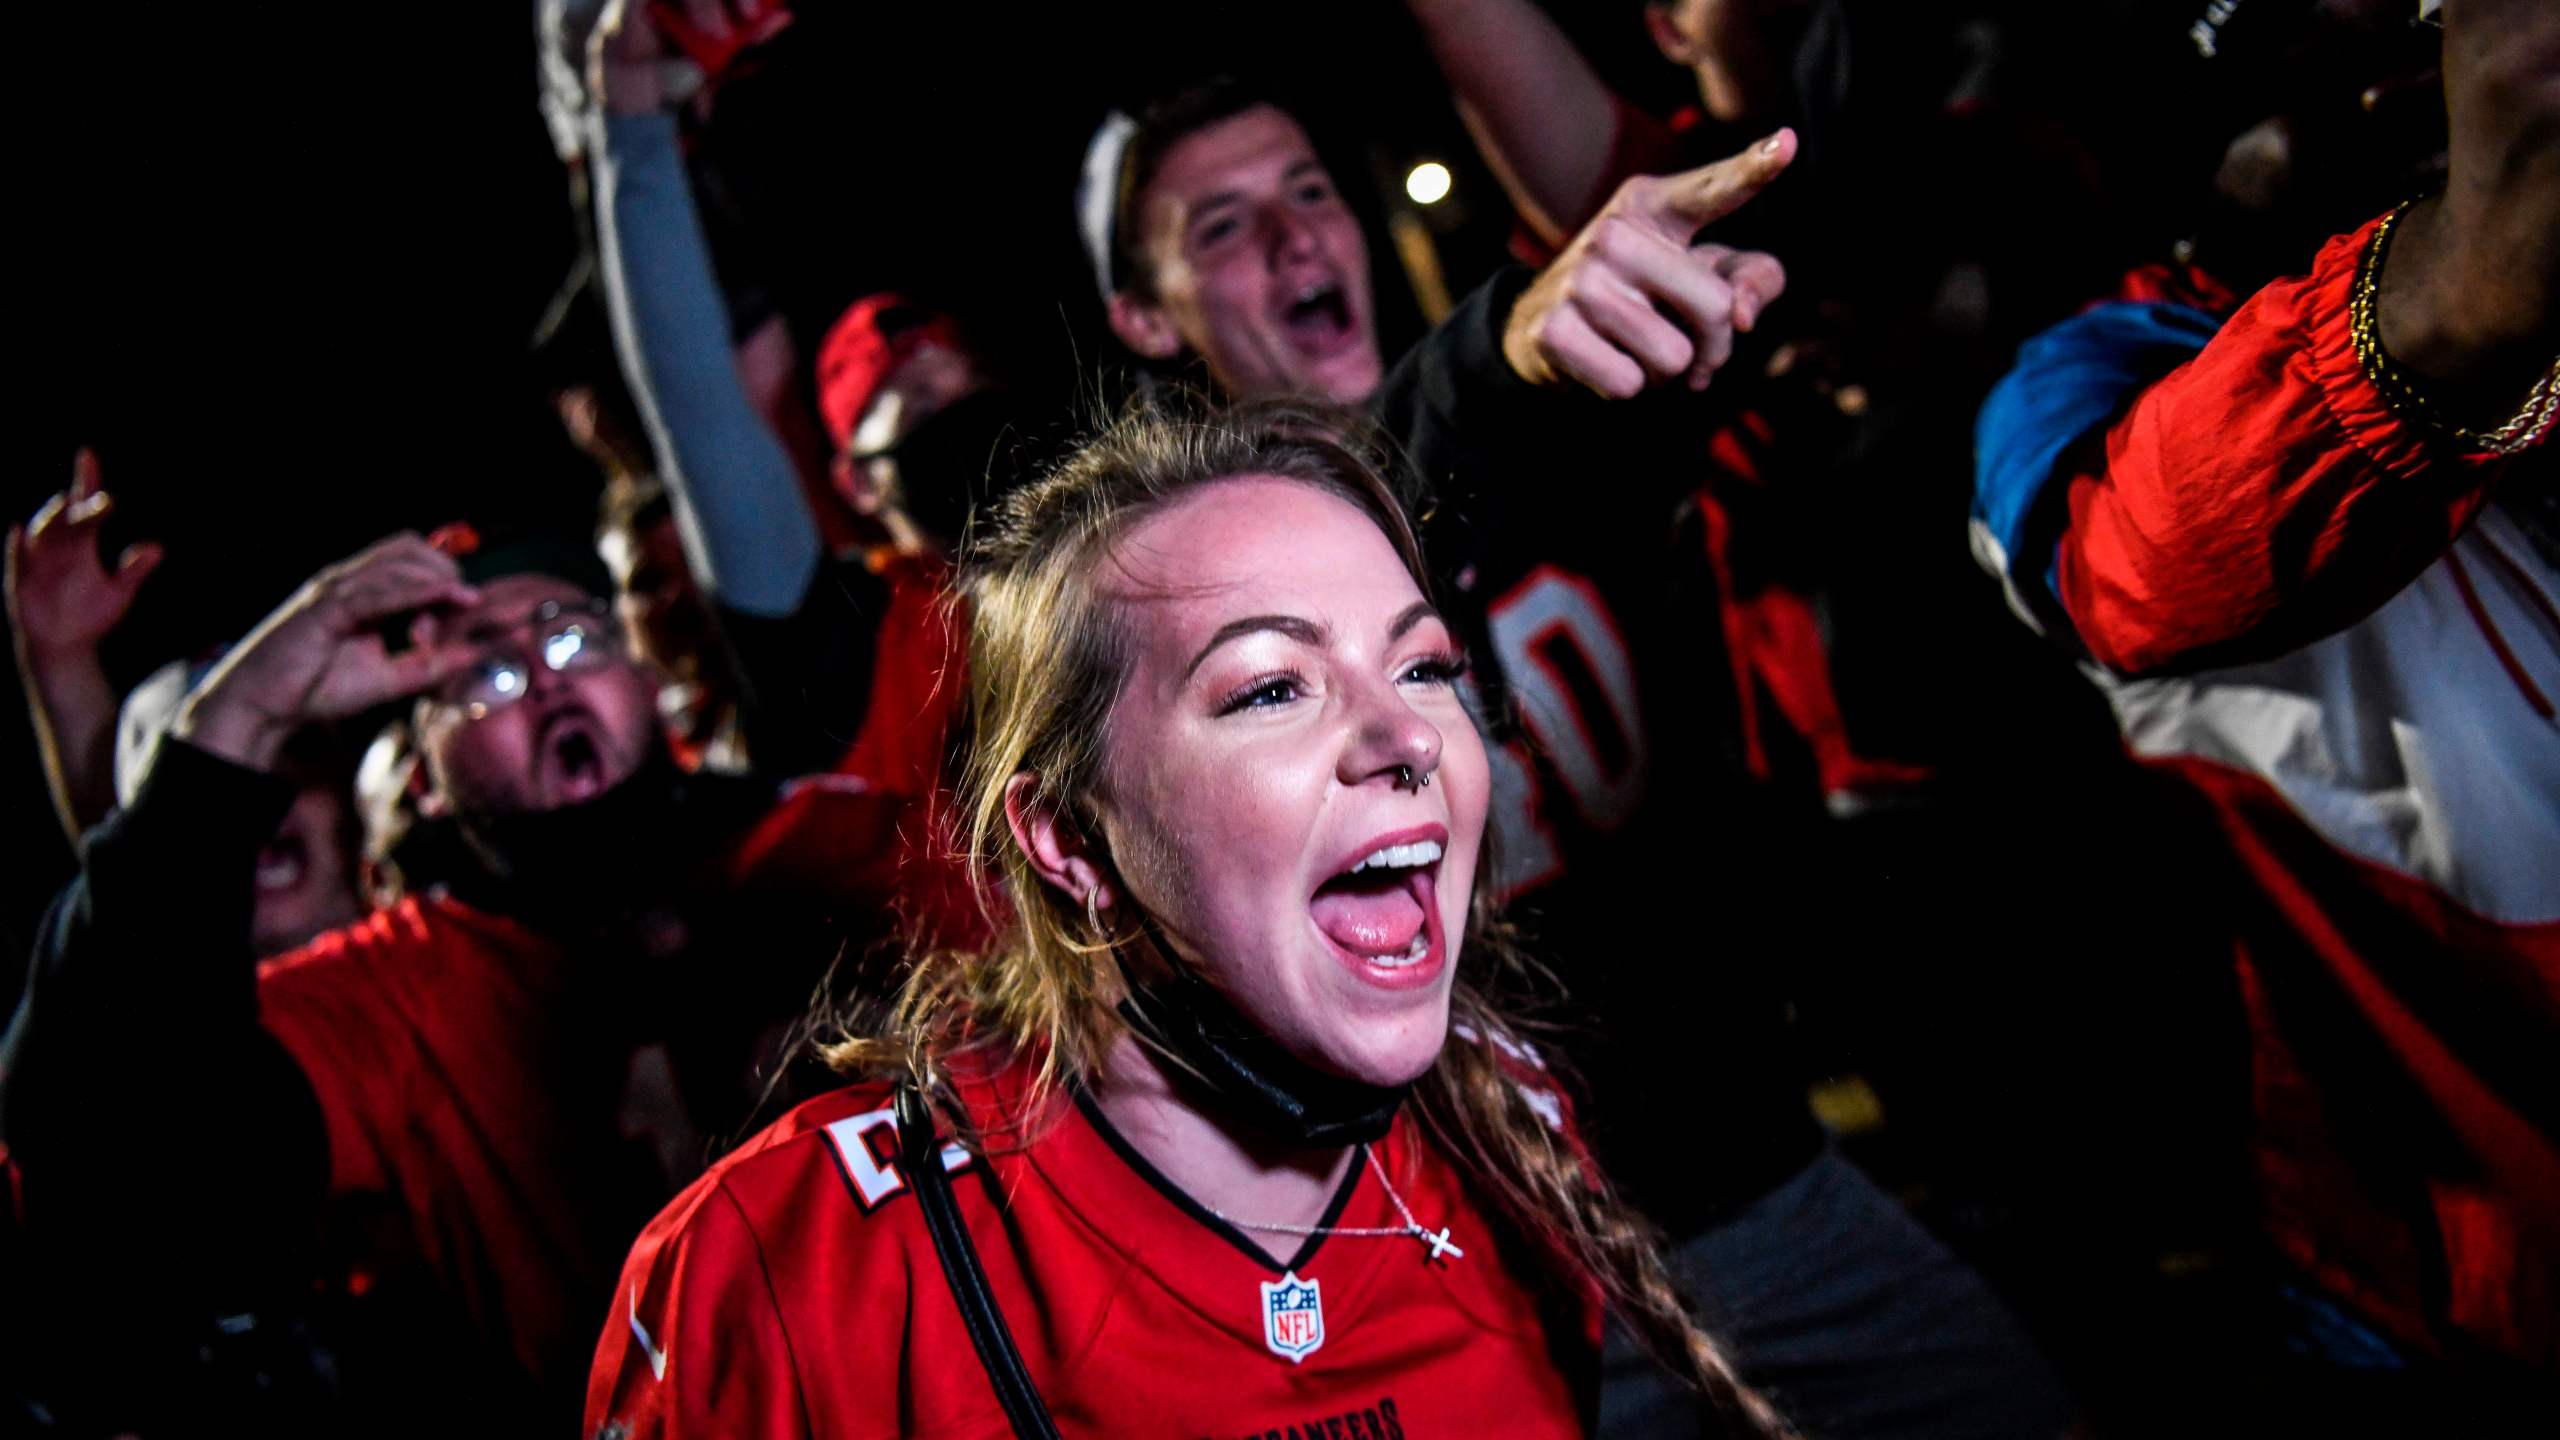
column 1098, row 195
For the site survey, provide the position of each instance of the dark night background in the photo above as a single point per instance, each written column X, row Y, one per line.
column 288, row 260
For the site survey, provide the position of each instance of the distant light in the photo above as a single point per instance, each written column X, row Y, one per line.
column 1428, row 184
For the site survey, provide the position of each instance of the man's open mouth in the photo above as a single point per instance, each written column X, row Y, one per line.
column 282, row 862
column 572, row 759
column 1318, row 318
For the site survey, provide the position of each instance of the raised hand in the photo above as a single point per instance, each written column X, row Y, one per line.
column 63, row 596
column 1634, row 302
column 635, row 40
column 711, row 33
column 2471, row 290
column 627, row 60
column 322, row 654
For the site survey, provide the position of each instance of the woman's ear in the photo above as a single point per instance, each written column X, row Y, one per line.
column 1058, row 849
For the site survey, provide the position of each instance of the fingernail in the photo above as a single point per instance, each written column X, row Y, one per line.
column 1770, row 145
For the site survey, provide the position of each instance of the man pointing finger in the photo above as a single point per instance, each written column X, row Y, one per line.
column 1633, row 301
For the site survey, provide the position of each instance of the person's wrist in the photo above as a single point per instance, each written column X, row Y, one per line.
column 1519, row 357
column 57, row 653
column 632, row 90
column 2412, row 311
column 2438, row 354
column 225, row 725
column 2446, row 321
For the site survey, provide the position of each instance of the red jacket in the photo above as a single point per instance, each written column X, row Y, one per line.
column 2342, row 630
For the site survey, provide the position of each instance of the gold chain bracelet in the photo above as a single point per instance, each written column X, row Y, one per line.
column 2364, row 314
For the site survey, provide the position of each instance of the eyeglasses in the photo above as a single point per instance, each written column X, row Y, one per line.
column 568, row 639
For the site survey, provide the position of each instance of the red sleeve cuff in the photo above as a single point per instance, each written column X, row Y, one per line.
column 2364, row 416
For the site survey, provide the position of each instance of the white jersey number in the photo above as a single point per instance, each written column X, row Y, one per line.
column 1575, row 684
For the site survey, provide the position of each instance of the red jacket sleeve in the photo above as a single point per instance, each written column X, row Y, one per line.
column 2260, row 496
column 695, row 1344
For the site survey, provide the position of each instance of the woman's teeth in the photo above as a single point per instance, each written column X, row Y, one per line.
column 1411, row 955
column 1401, row 857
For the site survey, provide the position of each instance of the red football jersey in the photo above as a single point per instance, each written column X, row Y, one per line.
column 427, row 1031
column 919, row 701
column 471, row 1073
column 794, row 1291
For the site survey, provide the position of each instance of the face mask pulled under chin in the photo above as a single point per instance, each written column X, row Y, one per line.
column 1247, row 1074
column 960, row 457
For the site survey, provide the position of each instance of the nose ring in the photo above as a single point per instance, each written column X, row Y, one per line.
column 1404, row 777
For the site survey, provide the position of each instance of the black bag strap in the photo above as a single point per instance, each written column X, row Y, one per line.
column 920, row 1155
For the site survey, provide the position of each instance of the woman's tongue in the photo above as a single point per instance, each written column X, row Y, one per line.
column 1372, row 915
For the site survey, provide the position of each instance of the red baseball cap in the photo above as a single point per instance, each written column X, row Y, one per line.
column 868, row 343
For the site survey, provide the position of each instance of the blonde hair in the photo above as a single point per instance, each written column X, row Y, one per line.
column 1045, row 667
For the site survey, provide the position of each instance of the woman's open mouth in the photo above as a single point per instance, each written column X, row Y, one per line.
column 1381, row 913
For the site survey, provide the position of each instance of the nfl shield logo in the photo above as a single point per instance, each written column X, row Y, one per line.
column 1292, row 1317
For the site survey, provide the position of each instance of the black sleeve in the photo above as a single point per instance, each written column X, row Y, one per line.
column 1487, row 441
column 158, row 1131
column 804, row 680
column 1454, row 392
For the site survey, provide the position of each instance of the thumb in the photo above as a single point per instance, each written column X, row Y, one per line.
column 1694, row 199
column 136, row 564
column 84, row 473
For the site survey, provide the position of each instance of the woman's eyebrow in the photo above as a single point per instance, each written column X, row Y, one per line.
column 1414, row 614
column 1306, row 632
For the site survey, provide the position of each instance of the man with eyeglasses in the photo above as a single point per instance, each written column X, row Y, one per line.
column 444, row 1108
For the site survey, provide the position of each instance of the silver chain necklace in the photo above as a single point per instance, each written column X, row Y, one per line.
column 1438, row 1241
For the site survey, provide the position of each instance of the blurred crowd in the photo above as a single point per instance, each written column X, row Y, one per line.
column 2016, row 635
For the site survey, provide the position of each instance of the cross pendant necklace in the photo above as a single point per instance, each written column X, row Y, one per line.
column 1442, row 1248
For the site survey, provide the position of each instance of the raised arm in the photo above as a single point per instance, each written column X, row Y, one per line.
column 1631, row 305
column 2189, row 495
column 64, row 599
column 1541, row 115
column 136, row 1057
column 746, row 524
